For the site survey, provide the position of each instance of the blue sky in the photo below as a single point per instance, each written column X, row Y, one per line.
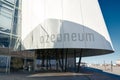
column 111, row 13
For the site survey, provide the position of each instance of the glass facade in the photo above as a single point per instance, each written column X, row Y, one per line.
column 10, row 22
column 4, row 61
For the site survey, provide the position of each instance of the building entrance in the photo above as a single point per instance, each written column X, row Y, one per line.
column 57, row 59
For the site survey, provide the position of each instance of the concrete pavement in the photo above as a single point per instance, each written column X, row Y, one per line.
column 56, row 76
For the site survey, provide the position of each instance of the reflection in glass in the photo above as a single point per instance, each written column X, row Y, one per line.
column 15, row 43
column 3, row 61
column 10, row 23
column 6, row 12
column 4, row 40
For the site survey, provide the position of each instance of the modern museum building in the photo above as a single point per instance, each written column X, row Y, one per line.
column 47, row 35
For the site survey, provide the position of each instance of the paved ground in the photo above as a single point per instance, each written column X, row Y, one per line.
column 86, row 74
column 45, row 76
column 109, row 69
column 56, row 76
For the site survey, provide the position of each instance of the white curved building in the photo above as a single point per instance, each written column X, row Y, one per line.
column 65, row 24
column 53, row 31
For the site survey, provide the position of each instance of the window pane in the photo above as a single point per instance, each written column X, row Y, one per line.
column 9, row 1
column 4, row 40
column 5, row 24
column 3, row 61
column 5, row 17
column 15, row 43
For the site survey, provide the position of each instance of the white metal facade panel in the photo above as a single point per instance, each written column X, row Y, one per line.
column 63, row 24
column 93, row 19
column 33, row 13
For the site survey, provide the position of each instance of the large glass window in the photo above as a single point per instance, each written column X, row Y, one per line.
column 3, row 61
column 15, row 43
column 11, row 1
column 6, row 13
column 4, row 40
column 5, row 24
column 10, row 23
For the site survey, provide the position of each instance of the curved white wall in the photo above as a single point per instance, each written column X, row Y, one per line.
column 63, row 24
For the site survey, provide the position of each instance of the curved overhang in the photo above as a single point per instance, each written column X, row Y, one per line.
column 65, row 25
column 54, row 34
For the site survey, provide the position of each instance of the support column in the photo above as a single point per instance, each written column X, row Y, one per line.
column 80, row 55
column 49, row 63
column 34, row 61
column 75, row 60
column 56, row 59
column 111, row 66
column 43, row 59
column 66, row 60
column 35, row 57
column 62, row 57
column 47, row 60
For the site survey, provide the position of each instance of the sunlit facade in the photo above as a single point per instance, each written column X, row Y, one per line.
column 10, row 22
column 53, row 30
column 65, row 24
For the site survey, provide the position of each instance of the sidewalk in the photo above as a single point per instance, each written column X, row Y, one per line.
column 86, row 74
column 98, row 74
